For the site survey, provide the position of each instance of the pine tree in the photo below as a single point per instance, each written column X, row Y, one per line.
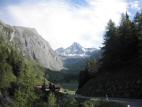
column 128, row 40
column 138, row 26
column 121, row 44
column 109, row 49
column 83, row 77
column 6, row 72
column 25, row 95
column 52, row 101
column 6, row 76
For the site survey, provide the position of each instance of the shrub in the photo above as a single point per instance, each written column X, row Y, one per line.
column 70, row 102
column 52, row 101
column 101, row 103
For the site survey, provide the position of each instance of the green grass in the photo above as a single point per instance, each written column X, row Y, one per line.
column 70, row 88
column 71, row 102
column 101, row 103
column 70, row 92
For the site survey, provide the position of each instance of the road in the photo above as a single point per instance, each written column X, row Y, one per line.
column 128, row 102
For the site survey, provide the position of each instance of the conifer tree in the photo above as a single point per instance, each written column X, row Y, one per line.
column 138, row 26
column 109, row 49
column 128, row 40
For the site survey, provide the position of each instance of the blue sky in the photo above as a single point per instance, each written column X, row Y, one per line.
column 62, row 22
column 78, row 2
column 74, row 2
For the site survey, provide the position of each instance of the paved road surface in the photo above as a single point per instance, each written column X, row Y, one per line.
column 128, row 102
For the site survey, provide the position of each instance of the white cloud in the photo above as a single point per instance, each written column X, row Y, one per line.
column 61, row 24
column 135, row 5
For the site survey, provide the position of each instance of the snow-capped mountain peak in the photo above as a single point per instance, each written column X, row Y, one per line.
column 76, row 45
column 75, row 50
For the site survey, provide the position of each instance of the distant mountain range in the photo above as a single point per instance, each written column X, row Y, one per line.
column 76, row 57
column 75, row 50
column 73, row 58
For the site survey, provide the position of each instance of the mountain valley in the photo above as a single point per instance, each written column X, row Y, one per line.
column 76, row 57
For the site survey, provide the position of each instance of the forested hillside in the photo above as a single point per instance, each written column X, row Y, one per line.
column 18, row 77
column 119, row 72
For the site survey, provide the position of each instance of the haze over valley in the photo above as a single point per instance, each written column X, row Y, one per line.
column 70, row 53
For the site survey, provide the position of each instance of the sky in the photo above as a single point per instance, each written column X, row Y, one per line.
column 62, row 22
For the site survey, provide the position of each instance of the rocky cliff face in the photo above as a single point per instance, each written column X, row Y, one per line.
column 32, row 45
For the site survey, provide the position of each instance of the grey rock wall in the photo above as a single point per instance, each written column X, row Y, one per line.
column 32, row 45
